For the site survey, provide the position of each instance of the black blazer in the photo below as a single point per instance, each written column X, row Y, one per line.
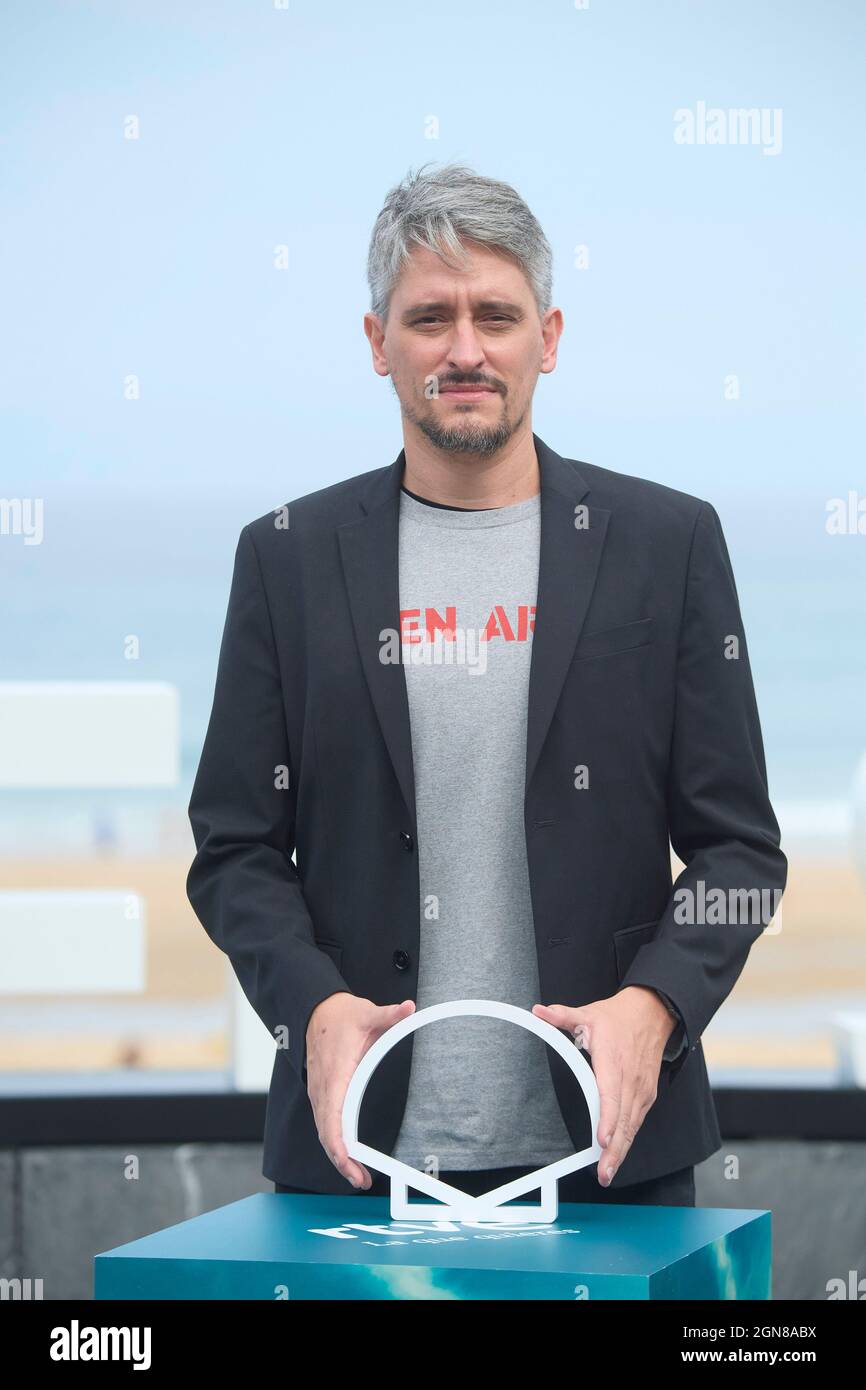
column 308, row 750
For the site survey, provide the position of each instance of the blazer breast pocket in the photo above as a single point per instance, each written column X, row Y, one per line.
column 628, row 942
column 610, row 640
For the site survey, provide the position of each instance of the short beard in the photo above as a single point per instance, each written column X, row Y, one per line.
column 481, row 441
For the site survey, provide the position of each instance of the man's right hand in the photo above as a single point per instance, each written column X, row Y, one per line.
column 340, row 1030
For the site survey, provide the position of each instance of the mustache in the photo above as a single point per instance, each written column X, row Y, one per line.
column 470, row 380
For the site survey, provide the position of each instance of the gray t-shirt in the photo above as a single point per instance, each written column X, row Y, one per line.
column 480, row 1090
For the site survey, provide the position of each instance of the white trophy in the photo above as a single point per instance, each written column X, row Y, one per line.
column 452, row 1204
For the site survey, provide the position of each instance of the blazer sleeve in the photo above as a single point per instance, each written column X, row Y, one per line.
column 721, row 822
column 242, row 883
column 677, row 1040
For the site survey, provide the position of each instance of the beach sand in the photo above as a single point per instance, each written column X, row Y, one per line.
column 776, row 1016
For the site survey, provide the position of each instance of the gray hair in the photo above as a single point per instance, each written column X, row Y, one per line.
column 439, row 208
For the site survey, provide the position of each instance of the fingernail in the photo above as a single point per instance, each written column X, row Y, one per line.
column 609, row 1172
column 607, row 1140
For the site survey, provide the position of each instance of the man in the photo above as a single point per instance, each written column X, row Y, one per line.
column 479, row 692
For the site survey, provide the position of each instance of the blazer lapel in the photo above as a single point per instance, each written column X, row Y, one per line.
column 369, row 549
column 571, row 548
column 568, row 564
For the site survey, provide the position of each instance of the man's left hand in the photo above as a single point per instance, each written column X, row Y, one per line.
column 625, row 1036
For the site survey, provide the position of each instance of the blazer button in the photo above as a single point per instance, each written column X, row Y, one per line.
column 402, row 960
column 406, row 841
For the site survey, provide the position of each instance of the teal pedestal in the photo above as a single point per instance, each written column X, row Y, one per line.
column 284, row 1246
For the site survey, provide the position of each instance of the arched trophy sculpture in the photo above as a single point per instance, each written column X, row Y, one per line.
column 452, row 1204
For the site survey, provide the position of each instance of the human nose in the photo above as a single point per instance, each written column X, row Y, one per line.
column 465, row 350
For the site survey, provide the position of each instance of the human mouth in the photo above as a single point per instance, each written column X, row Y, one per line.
column 467, row 393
